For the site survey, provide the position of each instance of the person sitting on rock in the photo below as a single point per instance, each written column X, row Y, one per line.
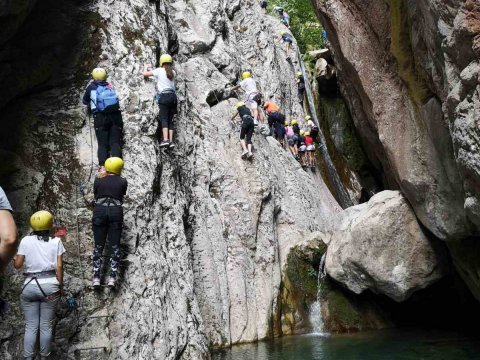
column 292, row 140
column 42, row 258
column 166, row 96
column 263, row 5
column 107, row 220
column 287, row 39
column 249, row 86
column 300, row 87
column 247, row 128
column 103, row 102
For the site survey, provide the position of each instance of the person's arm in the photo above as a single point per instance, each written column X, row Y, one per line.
column 236, row 87
column 8, row 238
column 86, row 95
column 234, row 116
column 60, row 271
column 147, row 71
column 18, row 261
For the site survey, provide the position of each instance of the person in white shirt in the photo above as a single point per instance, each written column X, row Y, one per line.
column 42, row 258
column 249, row 86
column 166, row 96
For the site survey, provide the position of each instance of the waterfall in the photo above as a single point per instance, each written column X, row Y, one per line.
column 316, row 318
column 342, row 195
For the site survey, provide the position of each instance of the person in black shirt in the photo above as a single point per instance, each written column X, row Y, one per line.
column 107, row 220
column 248, row 127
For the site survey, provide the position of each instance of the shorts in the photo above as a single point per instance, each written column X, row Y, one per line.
column 302, row 148
column 311, row 147
column 252, row 104
column 293, row 140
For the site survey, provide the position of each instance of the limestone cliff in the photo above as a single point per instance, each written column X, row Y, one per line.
column 410, row 74
column 206, row 234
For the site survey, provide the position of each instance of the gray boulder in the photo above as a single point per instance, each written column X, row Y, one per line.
column 380, row 246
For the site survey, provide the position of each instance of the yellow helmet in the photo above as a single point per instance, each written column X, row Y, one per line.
column 246, row 75
column 302, row 132
column 308, row 117
column 240, row 104
column 114, row 165
column 307, row 133
column 294, row 122
column 283, row 33
column 99, row 74
column 287, row 123
column 310, row 123
column 41, row 220
column 299, row 74
column 165, row 59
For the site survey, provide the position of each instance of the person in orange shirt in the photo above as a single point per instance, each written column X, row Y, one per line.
column 275, row 119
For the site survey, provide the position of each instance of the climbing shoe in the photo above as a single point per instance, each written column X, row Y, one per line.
column 164, row 144
column 171, row 145
column 244, row 154
column 249, row 156
column 96, row 282
column 112, row 281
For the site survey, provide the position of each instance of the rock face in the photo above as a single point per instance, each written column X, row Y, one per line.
column 380, row 246
column 206, row 234
column 414, row 97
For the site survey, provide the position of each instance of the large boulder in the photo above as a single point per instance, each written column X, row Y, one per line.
column 380, row 246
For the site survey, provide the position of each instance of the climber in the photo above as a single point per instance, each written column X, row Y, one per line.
column 292, row 139
column 300, row 87
column 247, row 130
column 166, row 96
column 286, row 38
column 42, row 256
column 8, row 234
column 263, row 5
column 301, row 147
column 285, row 18
column 310, row 150
column 277, row 9
column 102, row 101
column 324, row 37
column 253, row 98
column 107, row 220
column 275, row 118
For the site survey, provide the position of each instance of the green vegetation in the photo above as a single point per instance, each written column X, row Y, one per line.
column 304, row 23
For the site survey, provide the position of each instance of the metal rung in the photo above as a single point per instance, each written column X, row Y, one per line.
column 100, row 316
column 91, row 348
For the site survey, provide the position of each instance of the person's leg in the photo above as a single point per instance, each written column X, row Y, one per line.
column 243, row 133
column 102, row 137
column 100, row 231
column 115, row 226
column 47, row 317
column 164, row 112
column 31, row 311
column 116, row 132
column 171, row 115
column 249, row 138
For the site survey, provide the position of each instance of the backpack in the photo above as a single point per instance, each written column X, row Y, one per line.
column 104, row 99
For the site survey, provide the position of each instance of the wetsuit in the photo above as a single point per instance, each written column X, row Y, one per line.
column 108, row 126
column 107, row 220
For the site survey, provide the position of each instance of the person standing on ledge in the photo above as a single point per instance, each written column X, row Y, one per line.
column 42, row 256
column 166, row 96
column 102, row 101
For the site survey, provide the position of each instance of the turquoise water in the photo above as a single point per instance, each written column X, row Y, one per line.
column 385, row 345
